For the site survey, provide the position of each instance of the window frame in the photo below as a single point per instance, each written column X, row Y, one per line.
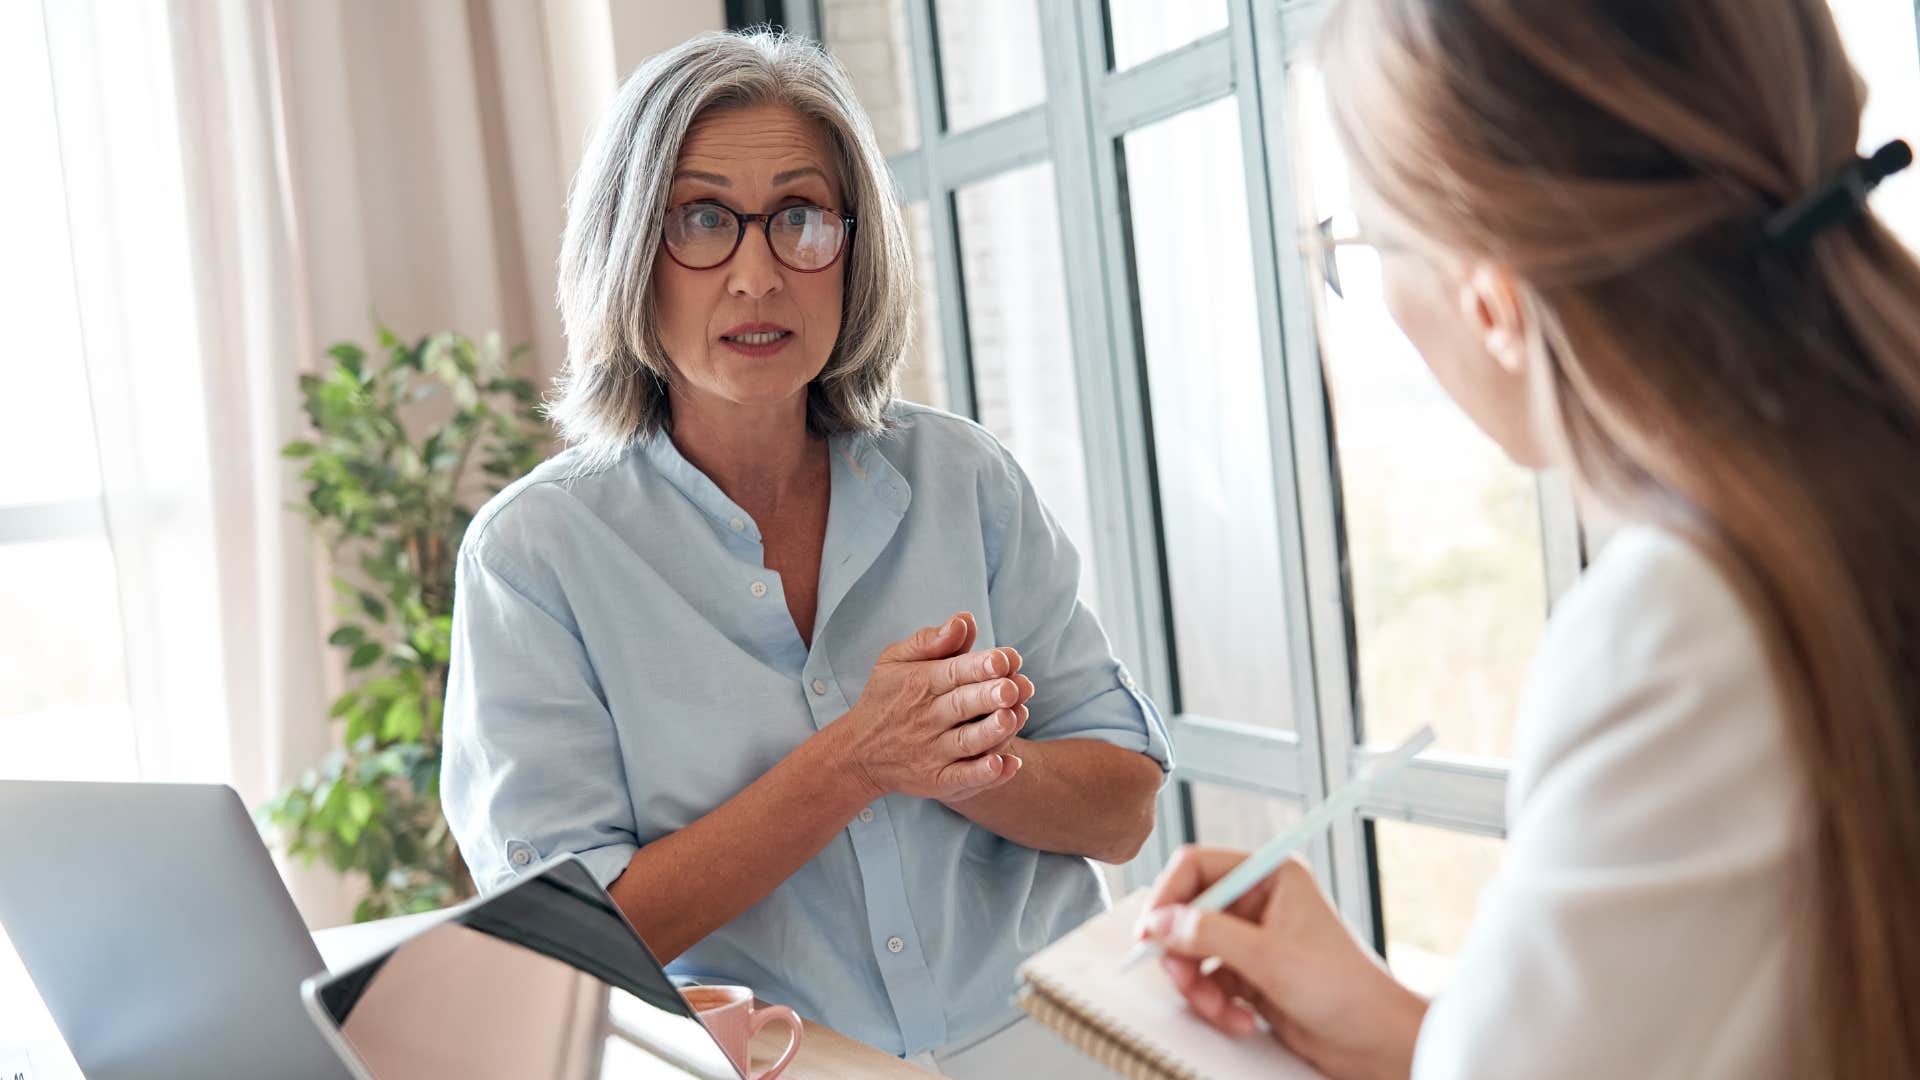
column 63, row 519
column 1079, row 126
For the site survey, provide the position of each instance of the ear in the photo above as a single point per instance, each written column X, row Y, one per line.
column 1490, row 301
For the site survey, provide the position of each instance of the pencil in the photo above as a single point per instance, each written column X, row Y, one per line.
column 1276, row 851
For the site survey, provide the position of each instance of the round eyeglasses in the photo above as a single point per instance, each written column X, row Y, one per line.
column 702, row 235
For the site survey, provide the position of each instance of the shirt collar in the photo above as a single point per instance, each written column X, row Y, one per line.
column 861, row 456
column 857, row 457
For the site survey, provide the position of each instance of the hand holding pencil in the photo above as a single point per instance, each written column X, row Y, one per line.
column 1278, row 953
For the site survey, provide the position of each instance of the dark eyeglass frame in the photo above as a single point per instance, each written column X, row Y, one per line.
column 741, row 221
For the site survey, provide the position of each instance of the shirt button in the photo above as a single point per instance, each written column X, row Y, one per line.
column 894, row 945
column 866, row 814
column 522, row 857
column 819, row 686
column 736, row 524
column 758, row 588
column 1126, row 679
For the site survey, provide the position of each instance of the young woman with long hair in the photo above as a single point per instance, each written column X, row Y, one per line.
column 1631, row 239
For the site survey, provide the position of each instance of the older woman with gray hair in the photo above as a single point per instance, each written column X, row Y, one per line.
column 796, row 668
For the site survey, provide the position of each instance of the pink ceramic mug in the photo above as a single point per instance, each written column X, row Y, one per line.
column 730, row 1013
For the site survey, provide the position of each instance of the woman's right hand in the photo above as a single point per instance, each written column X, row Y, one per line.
column 1284, row 955
column 934, row 718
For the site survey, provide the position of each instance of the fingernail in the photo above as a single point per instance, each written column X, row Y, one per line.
column 952, row 625
column 1156, row 923
column 1004, row 694
column 994, row 664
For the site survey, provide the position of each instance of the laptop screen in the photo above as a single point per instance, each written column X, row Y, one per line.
column 545, row 979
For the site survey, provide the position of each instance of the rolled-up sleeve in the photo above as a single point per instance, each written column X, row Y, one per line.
column 532, row 764
column 1081, row 690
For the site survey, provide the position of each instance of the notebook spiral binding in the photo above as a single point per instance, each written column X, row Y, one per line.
column 1099, row 1037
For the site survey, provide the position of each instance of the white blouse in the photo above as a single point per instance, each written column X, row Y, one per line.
column 1645, row 922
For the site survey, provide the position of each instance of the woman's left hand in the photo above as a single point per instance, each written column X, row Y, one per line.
column 1284, row 956
column 969, row 638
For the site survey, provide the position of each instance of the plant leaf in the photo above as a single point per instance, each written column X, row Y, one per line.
column 360, row 722
column 379, row 488
column 327, row 800
column 360, row 806
column 426, row 778
column 351, row 358
column 403, row 719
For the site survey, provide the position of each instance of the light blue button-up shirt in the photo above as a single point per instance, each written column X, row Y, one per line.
column 624, row 662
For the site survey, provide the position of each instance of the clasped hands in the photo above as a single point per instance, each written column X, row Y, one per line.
column 937, row 720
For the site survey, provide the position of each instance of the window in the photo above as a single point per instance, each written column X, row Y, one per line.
column 63, row 693
column 1105, row 271
column 923, row 377
column 1430, row 884
column 1881, row 38
column 870, row 38
column 1443, row 532
column 1140, row 30
column 1109, row 202
column 1200, row 329
column 1016, row 323
column 1225, row 816
column 989, row 59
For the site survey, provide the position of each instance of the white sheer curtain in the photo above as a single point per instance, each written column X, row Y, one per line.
column 146, row 371
column 247, row 182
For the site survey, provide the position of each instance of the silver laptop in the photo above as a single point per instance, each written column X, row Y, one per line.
column 158, row 931
column 543, row 980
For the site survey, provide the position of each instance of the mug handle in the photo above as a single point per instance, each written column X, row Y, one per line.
column 767, row 1014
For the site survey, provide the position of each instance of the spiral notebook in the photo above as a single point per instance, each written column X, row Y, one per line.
column 1135, row 1022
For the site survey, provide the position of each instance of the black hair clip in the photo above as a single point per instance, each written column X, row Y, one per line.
column 1838, row 199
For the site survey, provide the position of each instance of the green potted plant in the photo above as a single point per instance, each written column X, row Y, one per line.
column 406, row 445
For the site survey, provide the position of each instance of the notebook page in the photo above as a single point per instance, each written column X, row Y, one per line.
column 1083, row 968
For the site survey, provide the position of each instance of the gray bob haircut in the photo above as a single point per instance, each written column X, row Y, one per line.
column 613, row 389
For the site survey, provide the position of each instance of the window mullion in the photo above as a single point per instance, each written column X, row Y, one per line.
column 955, row 348
column 68, row 518
column 1113, row 407
column 1296, row 391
